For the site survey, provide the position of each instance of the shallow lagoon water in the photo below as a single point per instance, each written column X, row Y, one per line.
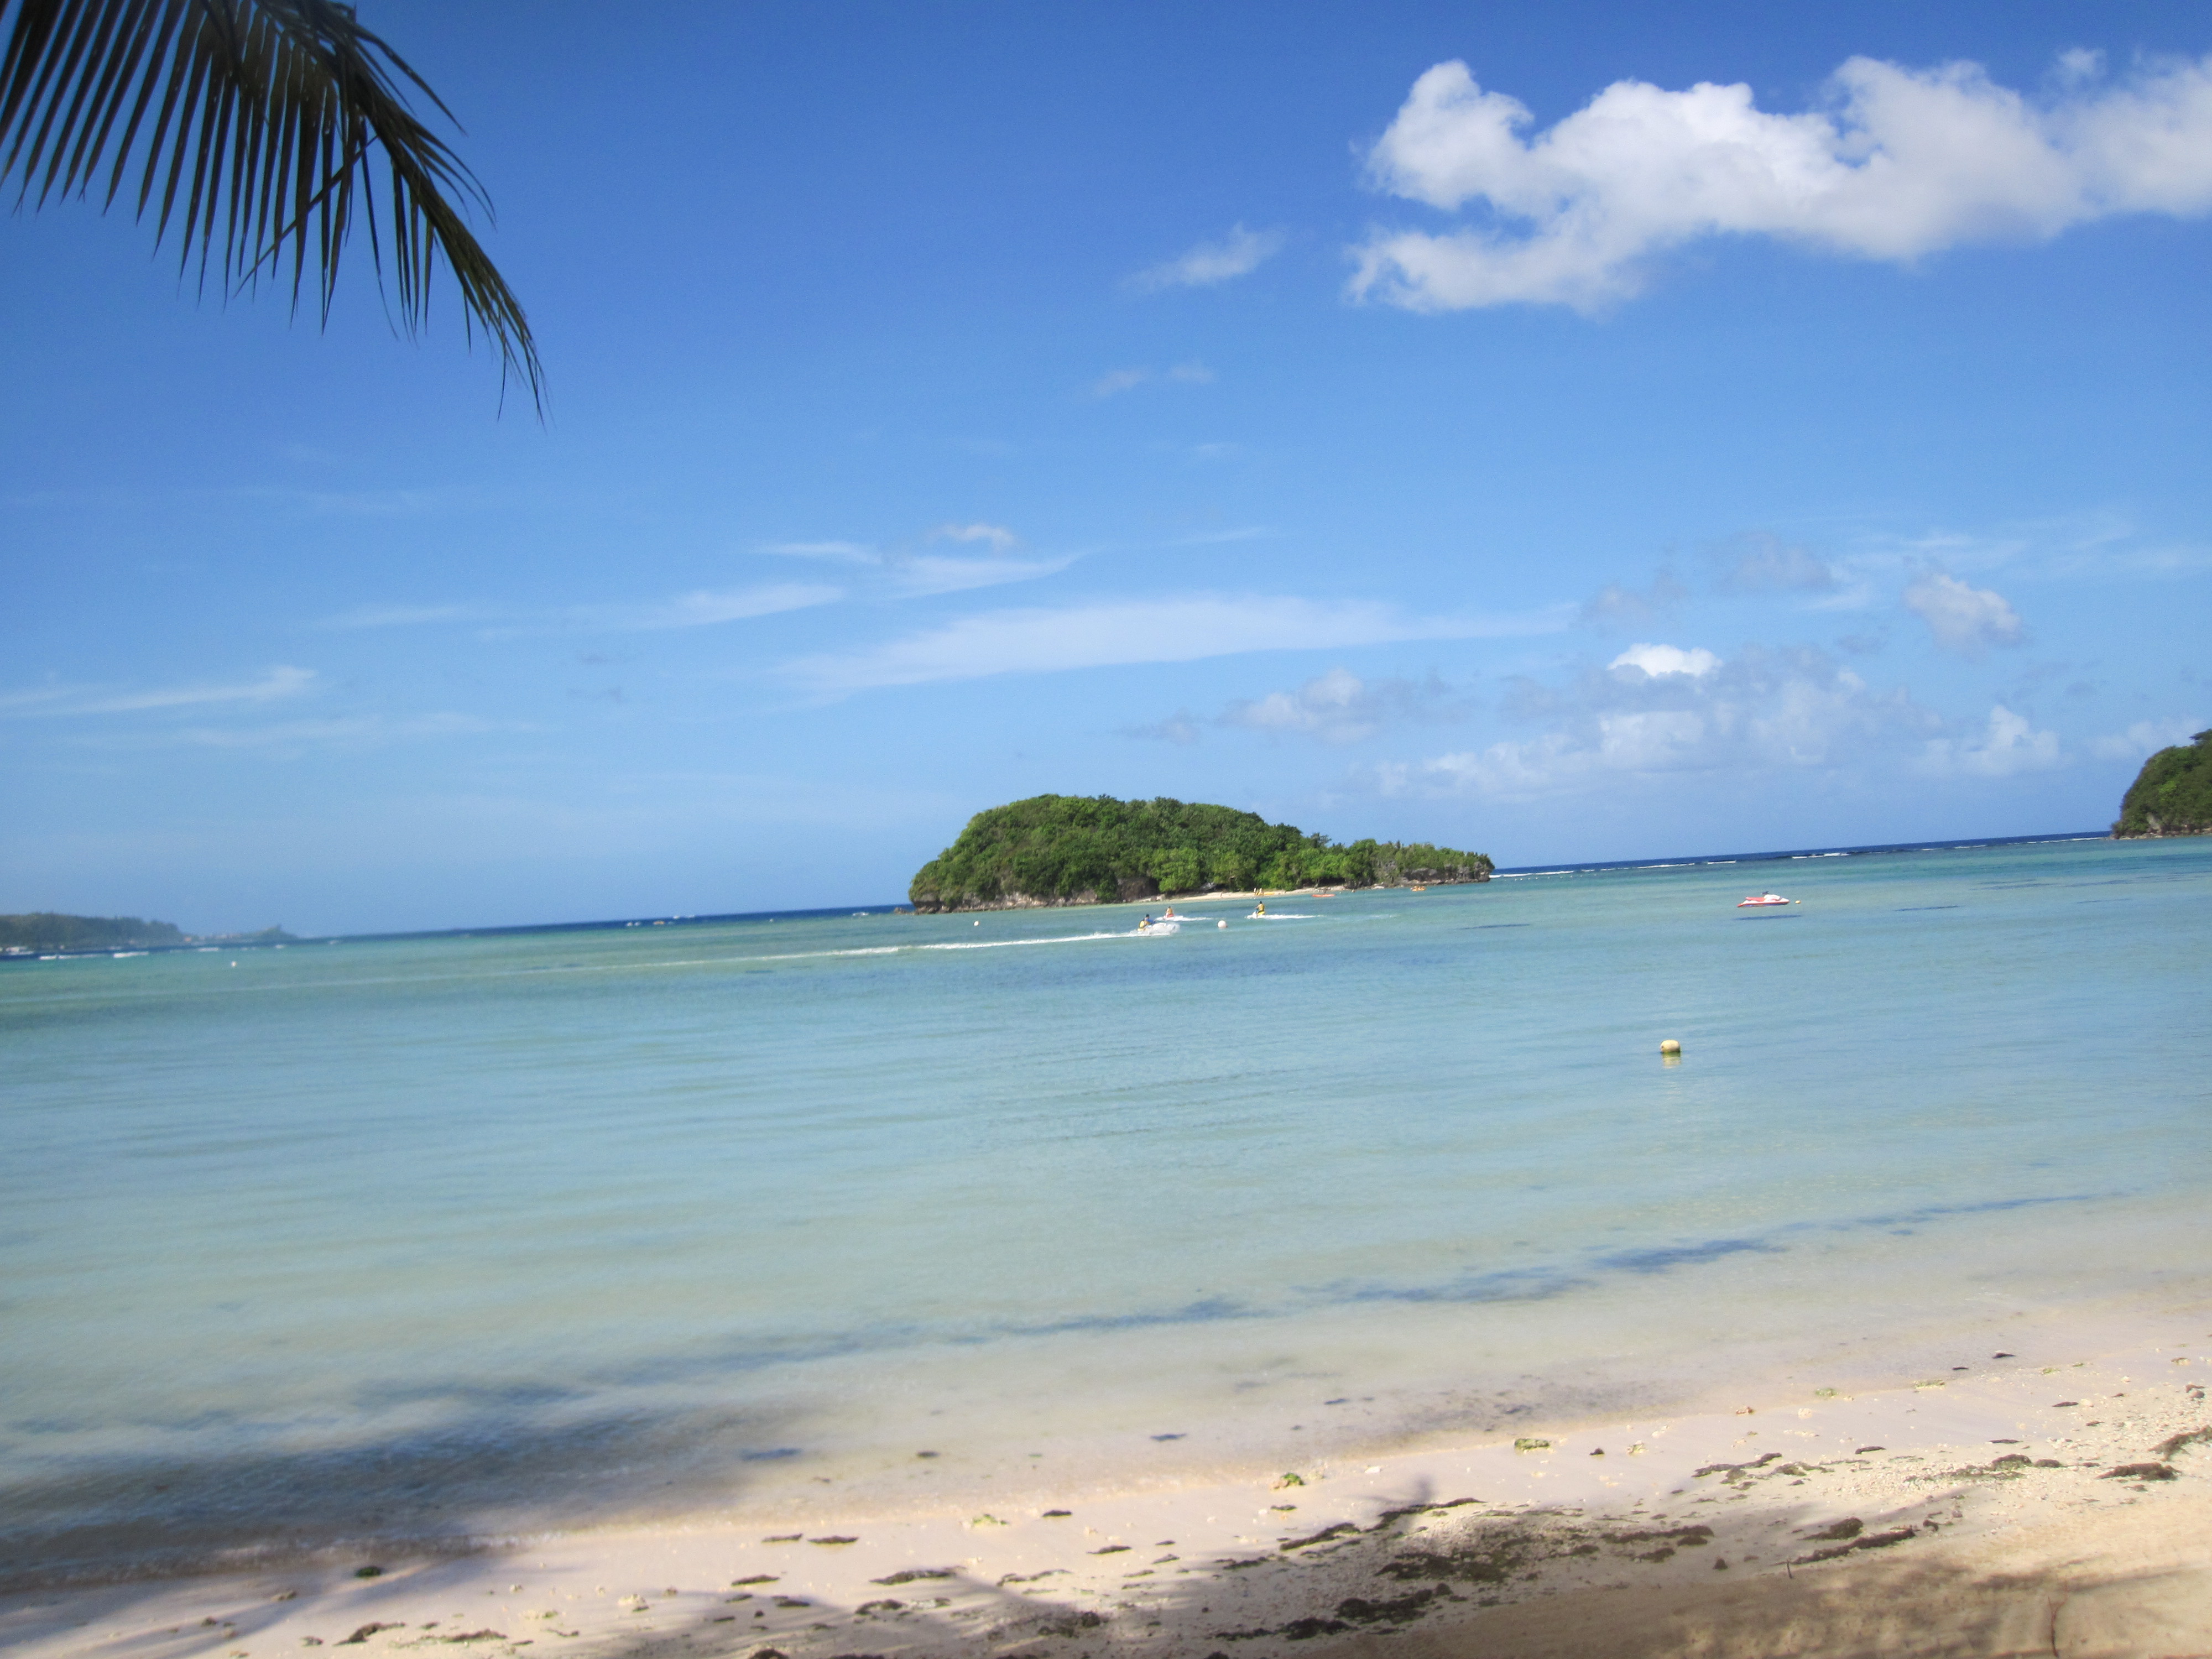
column 438, row 1236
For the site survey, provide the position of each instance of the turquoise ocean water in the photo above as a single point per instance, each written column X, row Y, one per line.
column 415, row 1238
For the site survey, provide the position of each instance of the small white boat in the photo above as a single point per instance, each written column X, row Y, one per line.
column 1154, row 924
column 1760, row 899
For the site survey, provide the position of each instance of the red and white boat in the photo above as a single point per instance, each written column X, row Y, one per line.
column 1760, row 899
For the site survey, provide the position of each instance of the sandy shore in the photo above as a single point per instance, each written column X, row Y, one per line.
column 2033, row 1502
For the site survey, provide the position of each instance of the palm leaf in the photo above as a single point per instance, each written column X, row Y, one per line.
column 262, row 116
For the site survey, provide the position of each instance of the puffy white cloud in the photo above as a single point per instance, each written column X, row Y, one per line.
column 2008, row 744
column 1966, row 620
column 1761, row 710
column 1657, row 659
column 1902, row 164
column 1181, row 629
column 1239, row 253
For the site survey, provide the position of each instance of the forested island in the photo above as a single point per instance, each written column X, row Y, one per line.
column 1095, row 849
column 43, row 930
column 2172, row 793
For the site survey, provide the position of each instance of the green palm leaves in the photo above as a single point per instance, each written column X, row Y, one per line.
column 255, row 119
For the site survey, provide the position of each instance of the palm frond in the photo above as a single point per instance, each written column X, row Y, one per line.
column 251, row 123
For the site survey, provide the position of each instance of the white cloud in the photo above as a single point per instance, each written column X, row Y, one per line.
column 1966, row 620
column 1770, row 565
column 1000, row 538
column 348, row 732
column 702, row 609
column 2142, row 740
column 1119, row 381
column 1339, row 707
column 1657, row 659
column 400, row 616
column 2008, row 744
column 1178, row 728
column 278, row 683
column 838, row 552
column 1119, row 631
column 1614, row 603
column 925, row 573
column 1764, row 709
column 1239, row 253
column 1903, row 164
column 1251, row 533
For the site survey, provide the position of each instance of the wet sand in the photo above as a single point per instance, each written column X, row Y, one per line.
column 2045, row 1502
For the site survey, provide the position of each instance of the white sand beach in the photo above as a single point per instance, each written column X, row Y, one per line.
column 2045, row 1501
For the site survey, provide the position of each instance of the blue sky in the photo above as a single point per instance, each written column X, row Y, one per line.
column 1561, row 431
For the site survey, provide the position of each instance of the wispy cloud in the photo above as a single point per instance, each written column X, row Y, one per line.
column 1767, row 564
column 702, row 609
column 1901, row 164
column 839, row 552
column 1239, row 253
column 920, row 574
column 1117, row 381
column 1614, row 603
column 339, row 731
column 997, row 535
column 402, row 615
column 900, row 573
column 1251, row 533
column 277, row 685
column 1181, row 629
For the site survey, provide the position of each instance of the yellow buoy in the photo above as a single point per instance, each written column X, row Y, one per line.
column 1670, row 1047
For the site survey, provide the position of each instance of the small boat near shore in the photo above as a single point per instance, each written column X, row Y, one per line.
column 1761, row 901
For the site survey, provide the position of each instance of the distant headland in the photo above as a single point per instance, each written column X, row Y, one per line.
column 2172, row 793
column 45, row 932
column 1095, row 849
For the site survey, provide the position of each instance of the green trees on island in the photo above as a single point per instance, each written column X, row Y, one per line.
column 43, row 930
column 2172, row 793
column 1092, row 850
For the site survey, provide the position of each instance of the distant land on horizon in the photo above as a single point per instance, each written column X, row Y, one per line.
column 97, row 933
column 47, row 931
